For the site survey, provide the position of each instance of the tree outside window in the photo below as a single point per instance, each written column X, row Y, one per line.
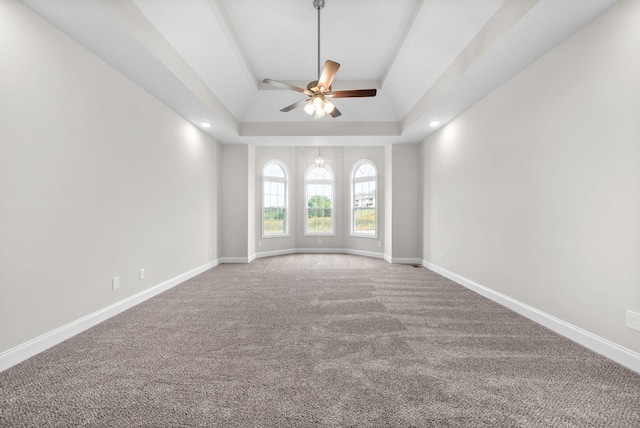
column 319, row 193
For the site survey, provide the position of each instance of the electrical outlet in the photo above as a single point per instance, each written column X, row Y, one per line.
column 379, row 244
column 210, row 251
column 319, row 240
column 633, row 320
column 115, row 283
column 440, row 256
column 259, row 243
column 141, row 273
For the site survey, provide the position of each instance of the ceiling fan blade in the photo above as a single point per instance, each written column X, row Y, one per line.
column 353, row 93
column 294, row 105
column 335, row 112
column 284, row 85
column 328, row 73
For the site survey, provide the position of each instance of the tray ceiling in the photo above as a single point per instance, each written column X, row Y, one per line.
column 429, row 59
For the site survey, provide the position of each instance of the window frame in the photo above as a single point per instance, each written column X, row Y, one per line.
column 352, row 186
column 332, row 182
column 273, row 179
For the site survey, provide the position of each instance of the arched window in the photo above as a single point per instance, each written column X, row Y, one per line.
column 319, row 189
column 275, row 191
column 364, row 195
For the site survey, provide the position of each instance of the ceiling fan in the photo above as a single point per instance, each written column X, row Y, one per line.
column 319, row 91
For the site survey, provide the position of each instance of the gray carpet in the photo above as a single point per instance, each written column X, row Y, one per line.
column 319, row 340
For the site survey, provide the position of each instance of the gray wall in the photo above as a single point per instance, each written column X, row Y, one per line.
column 535, row 191
column 388, row 208
column 405, row 203
column 235, row 203
column 90, row 190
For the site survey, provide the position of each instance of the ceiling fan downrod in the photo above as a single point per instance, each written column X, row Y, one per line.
column 319, row 5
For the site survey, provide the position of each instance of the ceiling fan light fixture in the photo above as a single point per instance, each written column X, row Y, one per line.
column 328, row 106
column 309, row 109
column 319, row 107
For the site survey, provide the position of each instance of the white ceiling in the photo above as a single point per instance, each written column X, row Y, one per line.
column 429, row 59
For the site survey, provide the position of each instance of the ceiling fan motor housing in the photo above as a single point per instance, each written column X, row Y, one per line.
column 318, row 4
column 314, row 84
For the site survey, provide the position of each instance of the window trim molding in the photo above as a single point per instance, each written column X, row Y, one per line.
column 306, row 201
column 352, row 182
column 282, row 165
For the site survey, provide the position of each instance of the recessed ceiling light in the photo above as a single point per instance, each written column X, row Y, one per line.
column 434, row 123
column 205, row 124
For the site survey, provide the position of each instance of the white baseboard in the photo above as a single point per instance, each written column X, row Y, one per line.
column 41, row 343
column 613, row 351
column 406, row 260
column 403, row 260
column 371, row 254
column 319, row 251
column 234, row 260
column 275, row 253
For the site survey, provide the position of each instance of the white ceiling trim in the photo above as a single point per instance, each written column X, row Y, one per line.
column 508, row 15
column 132, row 18
column 408, row 30
column 319, row 128
column 220, row 13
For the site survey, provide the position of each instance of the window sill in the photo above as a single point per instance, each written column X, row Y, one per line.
column 278, row 235
column 358, row 235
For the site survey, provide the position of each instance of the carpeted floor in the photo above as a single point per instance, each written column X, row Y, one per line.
column 319, row 340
